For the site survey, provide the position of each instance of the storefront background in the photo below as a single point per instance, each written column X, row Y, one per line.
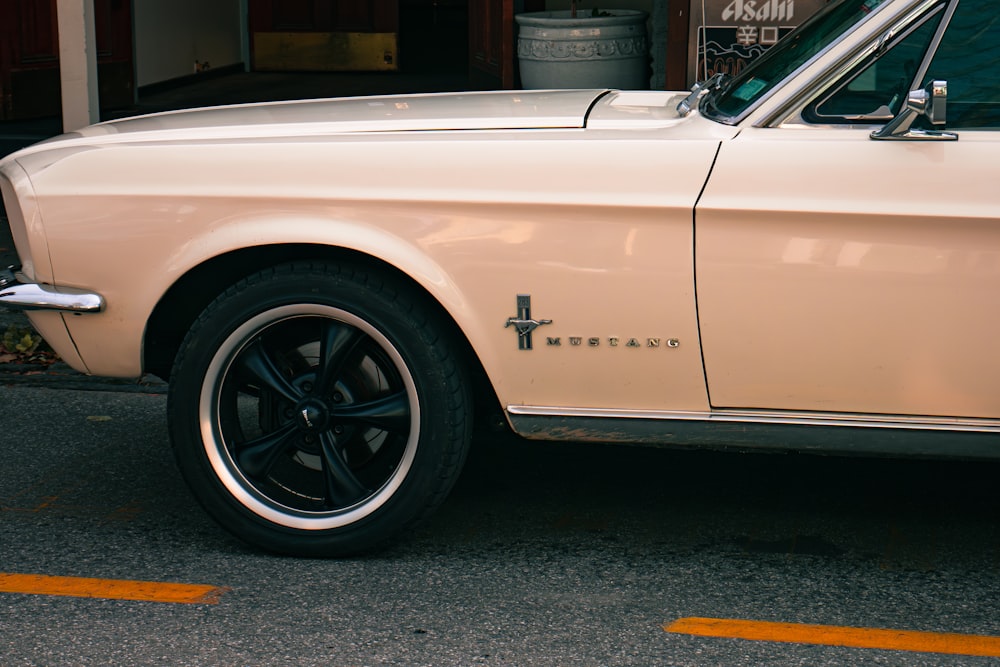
column 726, row 35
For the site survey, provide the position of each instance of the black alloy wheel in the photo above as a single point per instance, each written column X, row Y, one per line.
column 318, row 410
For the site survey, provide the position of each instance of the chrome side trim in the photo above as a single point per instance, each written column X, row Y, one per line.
column 17, row 295
column 770, row 417
column 880, row 435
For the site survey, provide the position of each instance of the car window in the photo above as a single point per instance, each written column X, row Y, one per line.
column 876, row 90
column 792, row 52
column 968, row 59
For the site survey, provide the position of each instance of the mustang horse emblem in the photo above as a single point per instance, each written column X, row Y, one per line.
column 523, row 322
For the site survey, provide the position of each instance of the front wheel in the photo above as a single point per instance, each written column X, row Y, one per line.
column 318, row 410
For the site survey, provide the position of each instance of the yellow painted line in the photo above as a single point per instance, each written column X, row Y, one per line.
column 833, row 635
column 112, row 589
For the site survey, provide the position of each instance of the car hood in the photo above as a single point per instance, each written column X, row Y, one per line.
column 439, row 111
column 506, row 110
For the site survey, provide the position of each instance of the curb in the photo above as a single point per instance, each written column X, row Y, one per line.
column 61, row 376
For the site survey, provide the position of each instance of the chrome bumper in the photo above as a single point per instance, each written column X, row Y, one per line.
column 17, row 295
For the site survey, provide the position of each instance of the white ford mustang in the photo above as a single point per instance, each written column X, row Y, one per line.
column 335, row 289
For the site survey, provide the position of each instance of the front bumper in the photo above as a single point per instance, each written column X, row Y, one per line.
column 19, row 294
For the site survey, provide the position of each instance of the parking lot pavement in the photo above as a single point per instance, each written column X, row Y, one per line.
column 545, row 554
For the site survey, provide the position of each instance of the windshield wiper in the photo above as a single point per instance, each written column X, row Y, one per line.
column 715, row 82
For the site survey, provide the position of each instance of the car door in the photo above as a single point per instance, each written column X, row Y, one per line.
column 837, row 273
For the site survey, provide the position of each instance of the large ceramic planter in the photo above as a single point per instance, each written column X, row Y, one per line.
column 555, row 50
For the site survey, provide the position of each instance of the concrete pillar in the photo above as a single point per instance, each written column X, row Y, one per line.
column 78, row 63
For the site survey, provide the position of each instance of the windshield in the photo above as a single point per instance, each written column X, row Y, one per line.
column 796, row 49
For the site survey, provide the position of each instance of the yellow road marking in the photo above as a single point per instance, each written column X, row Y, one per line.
column 833, row 635
column 113, row 589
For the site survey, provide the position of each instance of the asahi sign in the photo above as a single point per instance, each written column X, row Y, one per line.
column 726, row 35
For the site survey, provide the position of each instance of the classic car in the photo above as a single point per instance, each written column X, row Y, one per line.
column 337, row 290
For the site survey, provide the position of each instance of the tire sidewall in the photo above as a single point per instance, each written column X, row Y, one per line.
column 394, row 313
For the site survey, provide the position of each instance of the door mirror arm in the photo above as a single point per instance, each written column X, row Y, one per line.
column 931, row 103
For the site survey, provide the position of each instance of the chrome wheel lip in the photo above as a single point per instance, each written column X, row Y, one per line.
column 228, row 472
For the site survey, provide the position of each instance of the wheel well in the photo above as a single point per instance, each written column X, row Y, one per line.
column 188, row 297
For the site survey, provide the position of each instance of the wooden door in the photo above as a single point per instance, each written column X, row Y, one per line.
column 493, row 41
column 113, row 28
column 324, row 35
column 29, row 59
column 679, row 12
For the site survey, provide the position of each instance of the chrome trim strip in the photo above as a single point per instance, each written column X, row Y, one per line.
column 767, row 417
column 17, row 295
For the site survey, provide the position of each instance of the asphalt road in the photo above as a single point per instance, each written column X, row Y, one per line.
column 545, row 554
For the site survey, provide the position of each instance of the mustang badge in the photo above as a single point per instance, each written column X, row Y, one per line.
column 524, row 322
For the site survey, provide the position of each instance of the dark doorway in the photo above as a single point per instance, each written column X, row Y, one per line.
column 433, row 35
column 29, row 57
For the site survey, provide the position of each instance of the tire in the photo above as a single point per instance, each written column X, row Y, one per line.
column 319, row 410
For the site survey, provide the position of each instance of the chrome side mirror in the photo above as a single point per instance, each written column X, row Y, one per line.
column 931, row 103
column 700, row 88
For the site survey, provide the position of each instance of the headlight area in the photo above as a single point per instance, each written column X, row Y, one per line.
column 21, row 286
column 20, row 212
column 45, row 306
